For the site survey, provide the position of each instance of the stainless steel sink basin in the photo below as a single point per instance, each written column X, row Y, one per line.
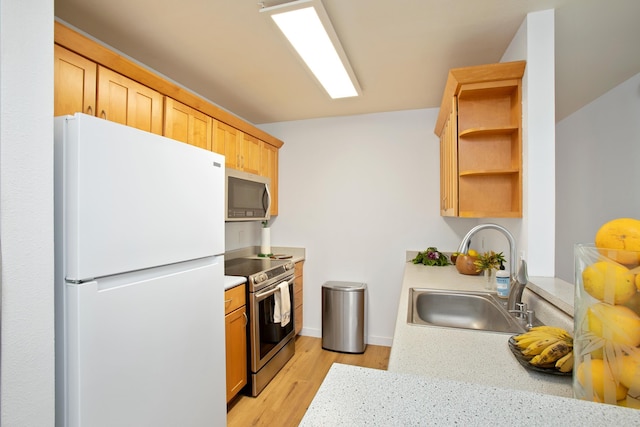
column 456, row 309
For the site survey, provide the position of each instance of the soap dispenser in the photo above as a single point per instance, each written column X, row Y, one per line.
column 502, row 282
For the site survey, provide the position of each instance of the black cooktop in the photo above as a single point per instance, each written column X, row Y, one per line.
column 248, row 266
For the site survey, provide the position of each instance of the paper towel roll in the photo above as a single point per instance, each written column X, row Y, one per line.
column 265, row 248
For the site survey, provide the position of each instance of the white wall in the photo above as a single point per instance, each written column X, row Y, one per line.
column 357, row 192
column 598, row 169
column 535, row 232
column 26, row 212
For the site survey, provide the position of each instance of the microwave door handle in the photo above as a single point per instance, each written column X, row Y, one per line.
column 268, row 195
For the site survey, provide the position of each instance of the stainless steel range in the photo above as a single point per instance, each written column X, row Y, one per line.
column 271, row 345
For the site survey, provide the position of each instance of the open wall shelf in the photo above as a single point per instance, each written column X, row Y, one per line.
column 480, row 122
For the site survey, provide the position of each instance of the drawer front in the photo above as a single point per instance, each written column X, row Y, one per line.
column 234, row 298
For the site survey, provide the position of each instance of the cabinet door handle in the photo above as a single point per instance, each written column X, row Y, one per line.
column 103, row 115
column 228, row 300
column 90, row 110
column 246, row 319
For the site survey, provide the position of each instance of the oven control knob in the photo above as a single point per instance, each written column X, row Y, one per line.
column 260, row 278
column 288, row 266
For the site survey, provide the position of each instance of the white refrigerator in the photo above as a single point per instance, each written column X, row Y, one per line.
column 139, row 238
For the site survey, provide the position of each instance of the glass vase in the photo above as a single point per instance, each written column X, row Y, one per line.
column 490, row 277
column 607, row 326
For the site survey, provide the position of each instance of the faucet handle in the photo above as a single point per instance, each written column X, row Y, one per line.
column 531, row 316
column 521, row 310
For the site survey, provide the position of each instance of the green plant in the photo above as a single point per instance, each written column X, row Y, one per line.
column 489, row 260
column 431, row 257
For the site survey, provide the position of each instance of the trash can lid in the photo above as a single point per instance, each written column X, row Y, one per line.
column 345, row 286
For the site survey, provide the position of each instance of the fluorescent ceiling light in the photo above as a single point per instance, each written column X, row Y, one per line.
column 306, row 25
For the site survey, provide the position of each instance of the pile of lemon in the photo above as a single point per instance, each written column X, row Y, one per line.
column 608, row 365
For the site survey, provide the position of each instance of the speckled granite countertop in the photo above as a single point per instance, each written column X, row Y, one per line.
column 233, row 281
column 452, row 376
column 355, row 396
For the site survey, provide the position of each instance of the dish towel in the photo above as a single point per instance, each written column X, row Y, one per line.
column 282, row 308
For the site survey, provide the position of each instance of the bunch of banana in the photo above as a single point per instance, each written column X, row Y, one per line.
column 547, row 347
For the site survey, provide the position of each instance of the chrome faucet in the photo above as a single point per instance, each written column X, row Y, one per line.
column 517, row 287
column 513, row 290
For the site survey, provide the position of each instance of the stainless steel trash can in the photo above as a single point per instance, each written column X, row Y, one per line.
column 343, row 316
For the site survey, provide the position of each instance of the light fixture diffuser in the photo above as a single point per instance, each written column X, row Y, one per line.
column 306, row 25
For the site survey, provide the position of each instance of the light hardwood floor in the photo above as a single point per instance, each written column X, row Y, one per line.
column 285, row 400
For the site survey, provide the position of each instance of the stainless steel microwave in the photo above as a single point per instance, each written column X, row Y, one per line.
column 247, row 196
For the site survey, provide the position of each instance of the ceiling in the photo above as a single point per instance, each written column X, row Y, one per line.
column 229, row 53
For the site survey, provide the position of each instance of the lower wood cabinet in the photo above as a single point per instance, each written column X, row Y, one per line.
column 235, row 339
column 297, row 297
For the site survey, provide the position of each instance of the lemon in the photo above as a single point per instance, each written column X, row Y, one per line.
column 634, row 303
column 472, row 252
column 619, row 239
column 599, row 376
column 630, row 371
column 609, row 282
column 630, row 402
column 615, row 323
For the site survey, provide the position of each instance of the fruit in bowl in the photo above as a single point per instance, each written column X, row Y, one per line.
column 465, row 265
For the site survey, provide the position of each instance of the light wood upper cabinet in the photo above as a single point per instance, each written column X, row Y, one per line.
column 91, row 78
column 250, row 154
column 74, row 83
column 449, row 164
column 251, row 149
column 480, row 130
column 270, row 169
column 186, row 124
column 242, row 151
column 126, row 101
column 225, row 142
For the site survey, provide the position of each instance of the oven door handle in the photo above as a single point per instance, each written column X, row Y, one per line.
column 266, row 294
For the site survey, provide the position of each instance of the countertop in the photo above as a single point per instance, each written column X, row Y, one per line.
column 233, row 281
column 448, row 376
column 355, row 396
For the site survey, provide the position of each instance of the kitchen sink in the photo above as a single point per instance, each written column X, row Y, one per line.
column 482, row 311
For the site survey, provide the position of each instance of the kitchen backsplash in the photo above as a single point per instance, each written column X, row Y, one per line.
column 241, row 234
